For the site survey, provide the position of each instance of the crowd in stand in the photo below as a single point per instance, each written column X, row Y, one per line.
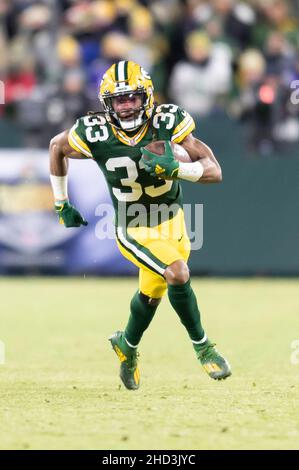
column 230, row 57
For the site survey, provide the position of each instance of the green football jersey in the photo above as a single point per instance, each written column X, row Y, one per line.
column 118, row 155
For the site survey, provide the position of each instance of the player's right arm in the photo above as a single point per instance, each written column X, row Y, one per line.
column 60, row 151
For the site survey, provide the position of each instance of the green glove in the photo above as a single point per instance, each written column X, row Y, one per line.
column 68, row 215
column 163, row 166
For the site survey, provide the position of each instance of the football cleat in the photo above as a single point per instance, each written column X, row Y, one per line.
column 129, row 372
column 213, row 363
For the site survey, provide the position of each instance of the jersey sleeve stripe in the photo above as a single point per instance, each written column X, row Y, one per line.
column 79, row 140
column 77, row 144
column 180, row 134
column 182, row 124
column 78, row 147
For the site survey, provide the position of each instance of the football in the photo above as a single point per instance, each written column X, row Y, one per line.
column 158, row 147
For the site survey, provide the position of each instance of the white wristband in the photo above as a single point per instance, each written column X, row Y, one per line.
column 190, row 171
column 59, row 186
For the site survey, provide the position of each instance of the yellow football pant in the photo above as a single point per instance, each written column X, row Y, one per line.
column 152, row 249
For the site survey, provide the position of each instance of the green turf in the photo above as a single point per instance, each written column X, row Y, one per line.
column 59, row 387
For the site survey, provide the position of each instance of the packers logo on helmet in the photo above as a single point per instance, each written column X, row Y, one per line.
column 127, row 78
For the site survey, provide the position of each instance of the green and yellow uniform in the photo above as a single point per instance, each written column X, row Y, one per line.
column 150, row 242
column 151, row 246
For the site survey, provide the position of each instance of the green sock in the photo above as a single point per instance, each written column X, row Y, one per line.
column 183, row 300
column 142, row 313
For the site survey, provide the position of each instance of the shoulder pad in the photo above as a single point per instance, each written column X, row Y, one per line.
column 77, row 138
column 88, row 133
column 175, row 120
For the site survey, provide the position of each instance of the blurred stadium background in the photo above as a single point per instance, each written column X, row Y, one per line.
column 231, row 64
column 234, row 66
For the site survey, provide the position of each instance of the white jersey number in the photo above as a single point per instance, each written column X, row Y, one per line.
column 167, row 117
column 130, row 181
column 93, row 135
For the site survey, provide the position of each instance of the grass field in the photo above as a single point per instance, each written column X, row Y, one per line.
column 59, row 386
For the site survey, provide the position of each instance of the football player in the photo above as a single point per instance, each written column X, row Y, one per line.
column 115, row 140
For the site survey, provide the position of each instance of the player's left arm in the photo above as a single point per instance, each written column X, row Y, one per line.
column 199, row 151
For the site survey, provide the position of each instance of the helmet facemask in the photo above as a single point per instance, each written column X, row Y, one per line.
column 117, row 119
